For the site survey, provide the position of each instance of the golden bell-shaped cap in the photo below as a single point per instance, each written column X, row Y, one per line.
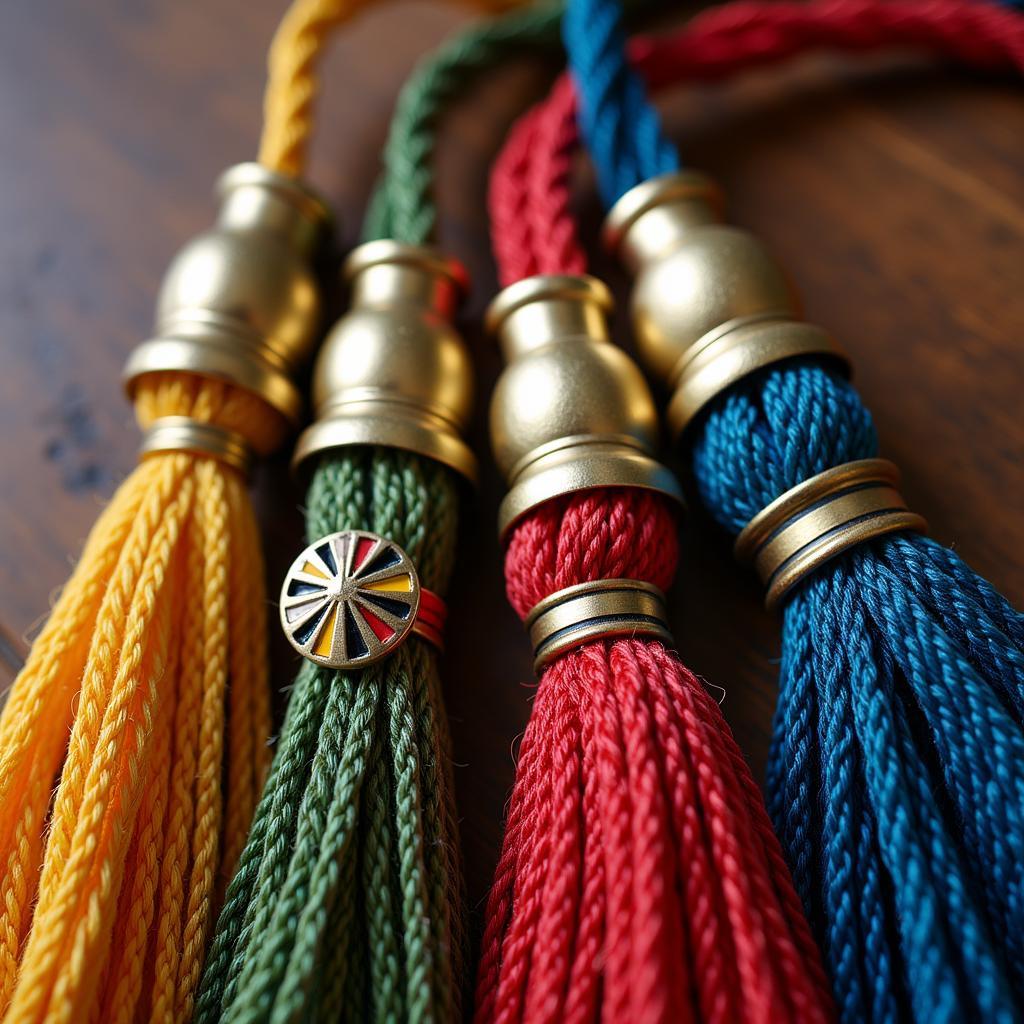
column 240, row 302
column 710, row 305
column 570, row 412
column 393, row 370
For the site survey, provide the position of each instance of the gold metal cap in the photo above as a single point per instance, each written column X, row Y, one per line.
column 710, row 305
column 570, row 412
column 599, row 610
column 819, row 519
column 393, row 370
column 240, row 303
column 671, row 205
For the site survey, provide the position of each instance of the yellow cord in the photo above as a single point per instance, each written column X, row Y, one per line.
column 147, row 680
column 292, row 83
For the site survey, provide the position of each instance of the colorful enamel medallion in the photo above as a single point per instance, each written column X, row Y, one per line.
column 349, row 599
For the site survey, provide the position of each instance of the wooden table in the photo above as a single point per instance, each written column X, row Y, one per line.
column 894, row 193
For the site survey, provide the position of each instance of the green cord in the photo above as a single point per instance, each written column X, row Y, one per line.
column 402, row 206
column 359, row 790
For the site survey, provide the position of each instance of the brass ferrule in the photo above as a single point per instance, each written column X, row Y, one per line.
column 393, row 370
column 819, row 519
column 240, row 303
column 600, row 610
column 570, row 412
column 710, row 306
column 184, row 434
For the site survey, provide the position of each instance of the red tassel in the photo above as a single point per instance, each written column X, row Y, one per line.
column 640, row 879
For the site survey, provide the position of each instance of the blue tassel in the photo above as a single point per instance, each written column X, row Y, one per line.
column 896, row 775
column 896, row 778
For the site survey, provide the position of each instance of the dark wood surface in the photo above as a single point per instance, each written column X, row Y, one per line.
column 893, row 191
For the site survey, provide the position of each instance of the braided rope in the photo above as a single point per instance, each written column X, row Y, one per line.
column 292, row 86
column 622, row 129
column 402, row 205
column 718, row 43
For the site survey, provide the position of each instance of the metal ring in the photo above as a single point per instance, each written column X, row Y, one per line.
column 184, row 434
column 593, row 611
column 819, row 519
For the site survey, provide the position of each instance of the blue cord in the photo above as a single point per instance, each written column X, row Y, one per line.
column 621, row 128
column 896, row 775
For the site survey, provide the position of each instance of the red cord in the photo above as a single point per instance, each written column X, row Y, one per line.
column 533, row 231
column 640, row 879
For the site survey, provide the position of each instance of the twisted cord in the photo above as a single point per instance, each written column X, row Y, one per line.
column 717, row 43
column 292, row 85
column 532, row 229
column 622, row 129
column 291, row 80
column 402, row 205
column 403, row 202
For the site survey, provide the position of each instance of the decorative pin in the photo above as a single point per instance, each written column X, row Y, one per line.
column 349, row 599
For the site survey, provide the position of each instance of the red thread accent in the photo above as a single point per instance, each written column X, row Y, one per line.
column 433, row 609
column 533, row 231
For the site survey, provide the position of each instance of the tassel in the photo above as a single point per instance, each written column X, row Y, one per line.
column 348, row 899
column 639, row 877
column 910, row 727
column 146, row 689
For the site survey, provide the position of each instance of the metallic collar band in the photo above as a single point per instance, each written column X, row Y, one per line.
column 598, row 610
column 183, row 434
column 352, row 598
column 821, row 518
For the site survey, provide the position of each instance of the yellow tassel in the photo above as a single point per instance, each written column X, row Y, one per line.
column 165, row 608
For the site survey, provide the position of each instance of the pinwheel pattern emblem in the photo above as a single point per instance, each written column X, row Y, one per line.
column 349, row 599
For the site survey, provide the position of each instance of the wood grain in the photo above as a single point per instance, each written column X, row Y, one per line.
column 893, row 191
